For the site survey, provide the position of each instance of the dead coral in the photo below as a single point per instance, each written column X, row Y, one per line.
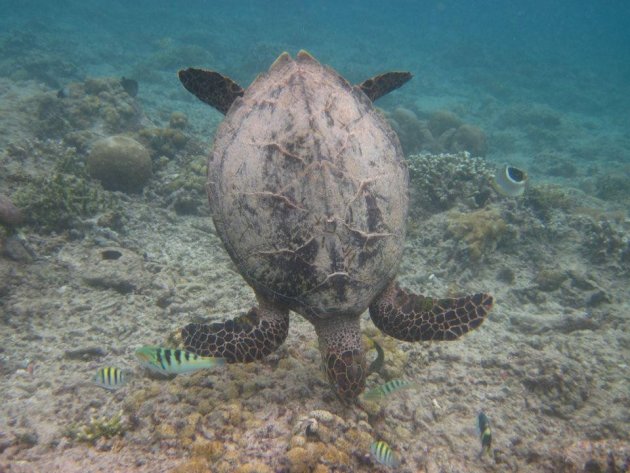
column 96, row 104
column 442, row 121
column 442, row 132
column 481, row 230
column 546, row 198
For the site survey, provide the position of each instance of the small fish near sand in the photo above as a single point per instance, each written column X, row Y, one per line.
column 485, row 434
column 387, row 388
column 168, row 361
column 383, row 454
column 110, row 377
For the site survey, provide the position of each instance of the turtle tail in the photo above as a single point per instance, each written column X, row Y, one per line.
column 247, row 338
column 412, row 318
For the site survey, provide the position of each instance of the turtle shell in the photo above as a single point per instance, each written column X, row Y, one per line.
column 308, row 188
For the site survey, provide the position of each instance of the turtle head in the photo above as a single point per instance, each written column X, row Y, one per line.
column 346, row 372
column 342, row 354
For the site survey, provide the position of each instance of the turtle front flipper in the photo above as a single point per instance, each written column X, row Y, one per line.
column 211, row 87
column 383, row 84
column 412, row 318
column 342, row 354
column 243, row 339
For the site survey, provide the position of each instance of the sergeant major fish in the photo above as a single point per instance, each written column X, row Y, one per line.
column 387, row 388
column 110, row 377
column 174, row 361
column 384, row 454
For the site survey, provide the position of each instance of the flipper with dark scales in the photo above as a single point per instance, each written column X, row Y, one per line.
column 247, row 338
column 383, row 84
column 411, row 317
column 211, row 87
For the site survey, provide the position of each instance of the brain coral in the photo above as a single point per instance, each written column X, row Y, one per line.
column 120, row 163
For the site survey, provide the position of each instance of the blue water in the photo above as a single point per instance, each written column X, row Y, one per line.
column 475, row 57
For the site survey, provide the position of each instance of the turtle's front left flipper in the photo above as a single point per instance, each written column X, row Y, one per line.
column 413, row 318
column 243, row 339
column 383, row 84
column 211, row 87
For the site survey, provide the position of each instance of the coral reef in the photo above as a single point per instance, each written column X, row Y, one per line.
column 164, row 141
column 182, row 184
column 481, row 231
column 85, row 111
column 178, row 121
column 614, row 187
column 413, row 133
column 545, row 199
column 61, row 201
column 442, row 121
column 605, row 242
column 443, row 132
column 468, row 138
column 97, row 428
column 120, row 163
column 438, row 182
column 28, row 55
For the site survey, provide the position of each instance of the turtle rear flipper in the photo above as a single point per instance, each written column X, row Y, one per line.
column 211, row 87
column 412, row 318
column 243, row 339
column 383, row 84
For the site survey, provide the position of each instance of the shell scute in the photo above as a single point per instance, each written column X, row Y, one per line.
column 308, row 189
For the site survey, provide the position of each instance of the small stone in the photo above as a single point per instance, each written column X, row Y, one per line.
column 10, row 215
column 15, row 249
column 86, row 353
column 550, row 280
column 597, row 298
column 506, row 275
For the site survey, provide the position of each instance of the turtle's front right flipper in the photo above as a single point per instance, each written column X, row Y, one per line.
column 211, row 87
column 246, row 338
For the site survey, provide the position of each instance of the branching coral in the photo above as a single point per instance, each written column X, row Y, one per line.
column 96, row 428
column 438, row 182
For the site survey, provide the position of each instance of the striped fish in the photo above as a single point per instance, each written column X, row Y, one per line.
column 109, row 377
column 387, row 388
column 485, row 434
column 174, row 361
column 384, row 454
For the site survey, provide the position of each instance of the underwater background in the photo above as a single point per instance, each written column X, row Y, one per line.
column 102, row 254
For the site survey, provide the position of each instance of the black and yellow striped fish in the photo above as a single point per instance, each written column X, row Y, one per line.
column 387, row 388
column 384, row 454
column 174, row 361
column 110, row 377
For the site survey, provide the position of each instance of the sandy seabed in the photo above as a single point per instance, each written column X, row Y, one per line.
column 550, row 366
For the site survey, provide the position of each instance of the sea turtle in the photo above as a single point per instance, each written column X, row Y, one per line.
column 308, row 188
